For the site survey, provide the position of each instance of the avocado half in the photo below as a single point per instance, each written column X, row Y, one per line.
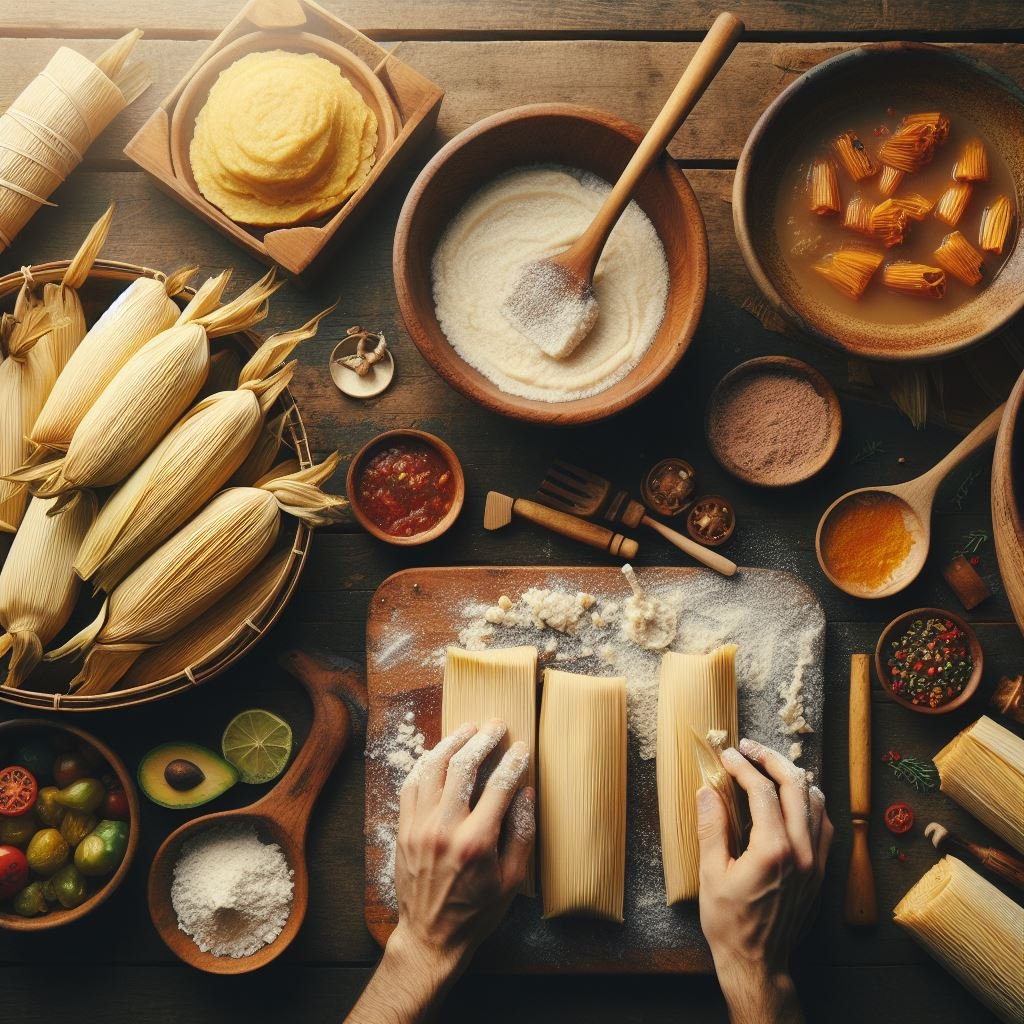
column 182, row 775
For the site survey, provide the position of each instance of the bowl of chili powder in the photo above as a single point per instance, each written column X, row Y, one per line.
column 929, row 660
column 406, row 487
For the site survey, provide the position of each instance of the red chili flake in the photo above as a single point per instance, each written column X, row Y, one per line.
column 975, row 559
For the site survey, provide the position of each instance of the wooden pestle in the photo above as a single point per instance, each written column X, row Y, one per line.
column 861, row 907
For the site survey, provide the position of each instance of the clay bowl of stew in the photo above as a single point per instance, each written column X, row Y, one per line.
column 898, row 628
column 100, row 761
column 406, row 487
column 850, row 89
column 571, row 136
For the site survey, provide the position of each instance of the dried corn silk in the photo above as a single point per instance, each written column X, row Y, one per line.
column 45, row 132
column 38, row 586
column 973, row 930
column 193, row 570
column 193, row 461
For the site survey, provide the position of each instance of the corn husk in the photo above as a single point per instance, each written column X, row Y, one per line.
column 45, row 132
column 136, row 316
column 225, row 368
column 238, row 614
column 264, row 452
column 38, row 586
column 26, row 376
column 193, row 462
column 193, row 570
column 148, row 394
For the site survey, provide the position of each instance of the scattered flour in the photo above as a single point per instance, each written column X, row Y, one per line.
column 232, row 893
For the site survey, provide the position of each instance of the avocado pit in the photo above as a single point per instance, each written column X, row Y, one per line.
column 183, row 775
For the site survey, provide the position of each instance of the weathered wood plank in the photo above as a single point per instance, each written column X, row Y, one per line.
column 631, row 79
column 461, row 18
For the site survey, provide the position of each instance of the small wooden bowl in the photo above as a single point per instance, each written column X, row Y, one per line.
column 1008, row 500
column 371, row 448
column 768, row 365
column 550, row 133
column 897, row 627
column 936, row 77
column 57, row 916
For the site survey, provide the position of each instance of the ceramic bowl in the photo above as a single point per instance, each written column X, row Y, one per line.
column 382, row 441
column 552, row 133
column 1008, row 500
column 935, row 77
column 897, row 628
column 11, row 732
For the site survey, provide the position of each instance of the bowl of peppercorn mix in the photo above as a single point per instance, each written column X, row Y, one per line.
column 929, row 660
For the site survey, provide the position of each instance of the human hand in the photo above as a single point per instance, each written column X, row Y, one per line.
column 457, row 868
column 754, row 907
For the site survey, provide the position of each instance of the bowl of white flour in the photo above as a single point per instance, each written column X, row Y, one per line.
column 522, row 185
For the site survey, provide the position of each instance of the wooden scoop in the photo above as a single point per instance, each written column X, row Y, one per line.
column 916, row 497
column 281, row 816
column 553, row 301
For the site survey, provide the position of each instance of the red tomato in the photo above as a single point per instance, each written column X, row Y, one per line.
column 899, row 818
column 17, row 791
column 13, row 871
column 115, row 805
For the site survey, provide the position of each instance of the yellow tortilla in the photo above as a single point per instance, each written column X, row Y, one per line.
column 283, row 138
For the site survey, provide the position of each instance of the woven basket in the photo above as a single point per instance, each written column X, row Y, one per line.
column 105, row 281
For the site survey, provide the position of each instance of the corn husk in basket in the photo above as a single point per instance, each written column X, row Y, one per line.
column 45, row 132
column 141, row 312
column 239, row 613
column 260, row 460
column 193, row 570
column 193, row 462
column 148, row 394
column 38, row 586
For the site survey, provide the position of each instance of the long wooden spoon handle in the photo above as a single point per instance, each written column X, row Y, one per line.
column 712, row 559
column 330, row 688
column 976, row 439
column 576, row 528
column 706, row 63
column 861, row 902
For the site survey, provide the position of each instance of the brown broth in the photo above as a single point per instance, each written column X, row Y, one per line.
column 805, row 237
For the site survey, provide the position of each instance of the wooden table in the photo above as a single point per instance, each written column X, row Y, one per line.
column 622, row 55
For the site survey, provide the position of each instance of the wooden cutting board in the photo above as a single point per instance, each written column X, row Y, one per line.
column 416, row 614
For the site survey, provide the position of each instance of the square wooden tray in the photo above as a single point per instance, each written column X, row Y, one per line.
column 415, row 100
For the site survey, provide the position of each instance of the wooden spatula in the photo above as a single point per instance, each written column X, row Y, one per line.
column 553, row 301
column 500, row 508
column 582, row 493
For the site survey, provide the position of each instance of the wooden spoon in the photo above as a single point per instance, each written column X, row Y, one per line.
column 553, row 301
column 916, row 497
column 281, row 817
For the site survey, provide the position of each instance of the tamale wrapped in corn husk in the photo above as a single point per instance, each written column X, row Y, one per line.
column 135, row 317
column 45, row 132
column 38, row 586
column 237, row 614
column 147, row 396
column 192, row 463
column 193, row 570
column 26, row 376
column 263, row 453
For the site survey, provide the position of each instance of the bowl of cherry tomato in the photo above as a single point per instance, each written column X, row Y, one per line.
column 68, row 823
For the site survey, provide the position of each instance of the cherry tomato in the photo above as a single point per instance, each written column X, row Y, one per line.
column 17, row 791
column 68, row 768
column 13, row 871
column 899, row 818
column 115, row 805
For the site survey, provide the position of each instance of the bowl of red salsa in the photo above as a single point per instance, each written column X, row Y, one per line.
column 406, row 487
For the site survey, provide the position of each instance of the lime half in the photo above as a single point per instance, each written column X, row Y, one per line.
column 258, row 743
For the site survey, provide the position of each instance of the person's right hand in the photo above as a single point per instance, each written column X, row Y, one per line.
column 754, row 907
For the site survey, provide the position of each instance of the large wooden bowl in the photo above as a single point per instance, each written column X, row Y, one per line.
column 932, row 78
column 573, row 136
column 57, row 915
column 1008, row 500
column 106, row 281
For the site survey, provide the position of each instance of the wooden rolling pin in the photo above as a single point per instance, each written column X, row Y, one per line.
column 500, row 508
column 861, row 907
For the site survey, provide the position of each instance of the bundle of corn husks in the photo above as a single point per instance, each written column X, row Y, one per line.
column 189, row 573
column 45, row 132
